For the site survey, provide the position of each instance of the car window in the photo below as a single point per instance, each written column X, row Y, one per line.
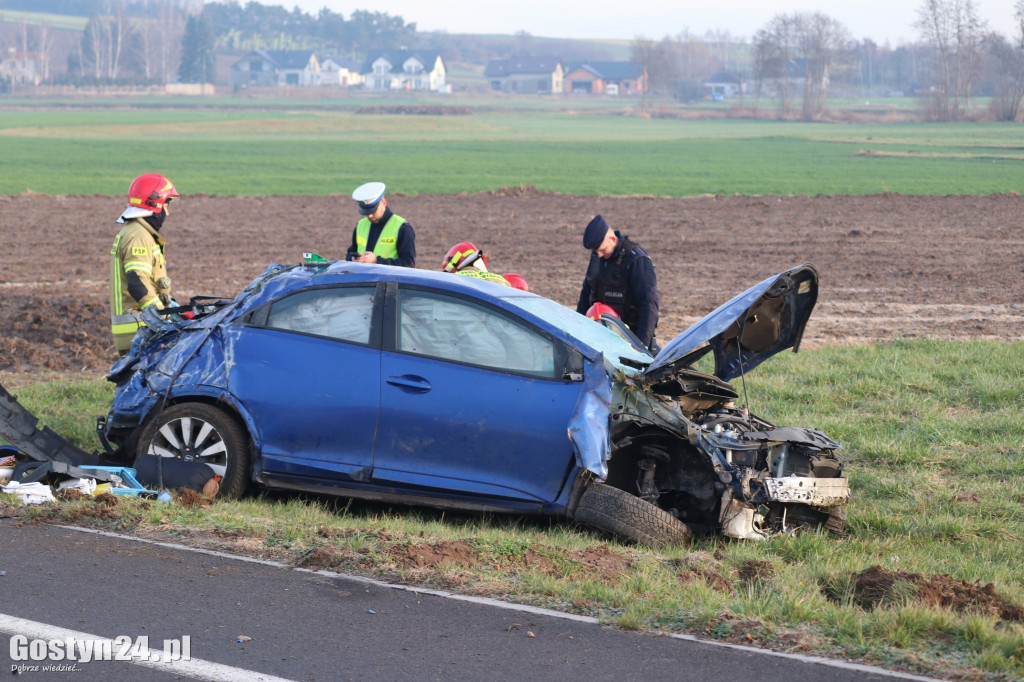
column 581, row 327
column 338, row 313
column 451, row 328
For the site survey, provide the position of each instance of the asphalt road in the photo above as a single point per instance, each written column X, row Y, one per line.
column 253, row 621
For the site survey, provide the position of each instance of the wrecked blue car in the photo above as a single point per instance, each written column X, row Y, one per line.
column 434, row 389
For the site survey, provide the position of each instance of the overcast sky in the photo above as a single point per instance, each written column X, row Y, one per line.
column 880, row 20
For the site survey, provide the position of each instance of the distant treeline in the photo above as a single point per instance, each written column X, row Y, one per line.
column 79, row 8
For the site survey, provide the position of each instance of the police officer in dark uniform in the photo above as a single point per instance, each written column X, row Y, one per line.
column 380, row 236
column 620, row 275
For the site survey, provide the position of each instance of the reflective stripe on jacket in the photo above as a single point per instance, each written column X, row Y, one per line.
column 137, row 248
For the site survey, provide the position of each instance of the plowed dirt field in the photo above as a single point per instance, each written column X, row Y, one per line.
column 947, row 267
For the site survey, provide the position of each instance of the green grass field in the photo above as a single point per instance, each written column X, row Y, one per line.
column 59, row 21
column 933, row 435
column 317, row 148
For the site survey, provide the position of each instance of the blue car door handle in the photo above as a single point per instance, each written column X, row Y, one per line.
column 410, row 383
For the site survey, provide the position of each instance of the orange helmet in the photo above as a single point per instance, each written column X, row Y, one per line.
column 462, row 255
column 518, row 281
column 151, row 192
column 598, row 309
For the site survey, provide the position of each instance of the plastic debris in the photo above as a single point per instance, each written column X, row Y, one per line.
column 29, row 493
column 86, row 486
column 165, row 497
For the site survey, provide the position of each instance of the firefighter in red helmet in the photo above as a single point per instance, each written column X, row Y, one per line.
column 465, row 259
column 516, row 280
column 138, row 271
column 598, row 309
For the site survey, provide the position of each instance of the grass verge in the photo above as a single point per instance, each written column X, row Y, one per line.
column 926, row 579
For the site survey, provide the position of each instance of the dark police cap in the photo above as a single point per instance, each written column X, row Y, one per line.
column 595, row 232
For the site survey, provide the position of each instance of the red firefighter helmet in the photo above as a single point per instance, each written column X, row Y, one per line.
column 151, row 192
column 462, row 255
column 598, row 309
column 518, row 281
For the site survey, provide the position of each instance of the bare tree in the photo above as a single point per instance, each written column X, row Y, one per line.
column 953, row 30
column 822, row 41
column 727, row 59
column 94, row 38
column 1006, row 60
column 650, row 57
column 44, row 45
column 774, row 47
column 171, row 18
column 120, row 33
column 694, row 63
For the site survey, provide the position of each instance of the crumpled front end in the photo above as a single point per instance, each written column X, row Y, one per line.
column 164, row 354
column 683, row 445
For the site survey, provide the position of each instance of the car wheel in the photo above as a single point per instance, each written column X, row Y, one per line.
column 630, row 518
column 197, row 432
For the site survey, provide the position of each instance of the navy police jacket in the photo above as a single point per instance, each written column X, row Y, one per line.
column 626, row 282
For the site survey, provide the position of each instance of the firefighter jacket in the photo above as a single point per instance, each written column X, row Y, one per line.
column 138, row 278
column 391, row 239
column 626, row 282
column 484, row 275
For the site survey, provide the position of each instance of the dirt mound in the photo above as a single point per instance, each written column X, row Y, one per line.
column 425, row 554
column 890, row 265
column 416, row 110
column 877, row 586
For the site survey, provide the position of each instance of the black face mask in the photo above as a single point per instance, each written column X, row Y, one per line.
column 156, row 221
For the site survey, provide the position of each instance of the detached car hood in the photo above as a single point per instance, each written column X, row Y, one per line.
column 755, row 325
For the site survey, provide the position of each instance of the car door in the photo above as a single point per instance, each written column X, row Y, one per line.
column 308, row 370
column 472, row 401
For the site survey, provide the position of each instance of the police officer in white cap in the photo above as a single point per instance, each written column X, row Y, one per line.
column 380, row 236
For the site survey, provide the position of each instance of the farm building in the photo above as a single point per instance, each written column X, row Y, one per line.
column 526, row 75
column 404, row 70
column 725, row 85
column 606, row 78
column 265, row 68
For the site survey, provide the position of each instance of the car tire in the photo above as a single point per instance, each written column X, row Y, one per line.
column 836, row 522
column 201, row 432
column 628, row 517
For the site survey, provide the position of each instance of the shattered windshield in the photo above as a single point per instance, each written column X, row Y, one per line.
column 593, row 334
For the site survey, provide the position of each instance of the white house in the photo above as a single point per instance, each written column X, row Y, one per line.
column 22, row 68
column 405, row 70
column 341, row 71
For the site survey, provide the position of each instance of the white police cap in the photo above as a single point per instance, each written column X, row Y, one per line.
column 368, row 196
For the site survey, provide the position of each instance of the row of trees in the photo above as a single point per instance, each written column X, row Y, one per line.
column 797, row 58
column 160, row 41
column 965, row 54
